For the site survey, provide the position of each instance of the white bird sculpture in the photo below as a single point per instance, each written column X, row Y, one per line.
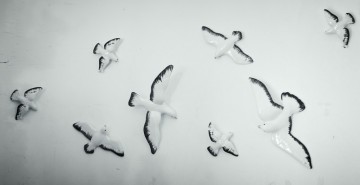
column 156, row 107
column 278, row 121
column 227, row 46
column 107, row 53
column 27, row 101
column 339, row 28
column 98, row 138
column 221, row 140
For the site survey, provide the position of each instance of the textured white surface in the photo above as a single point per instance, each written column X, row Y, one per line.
column 49, row 44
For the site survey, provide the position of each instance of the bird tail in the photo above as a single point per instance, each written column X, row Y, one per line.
column 134, row 99
column 15, row 95
column 238, row 34
column 98, row 49
column 87, row 150
column 292, row 103
column 349, row 19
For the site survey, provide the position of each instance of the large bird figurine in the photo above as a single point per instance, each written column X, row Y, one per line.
column 278, row 120
column 156, row 107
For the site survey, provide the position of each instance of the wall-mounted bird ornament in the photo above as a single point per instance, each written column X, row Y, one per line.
column 221, row 140
column 278, row 121
column 339, row 28
column 156, row 107
column 226, row 45
column 107, row 53
column 27, row 101
column 98, row 138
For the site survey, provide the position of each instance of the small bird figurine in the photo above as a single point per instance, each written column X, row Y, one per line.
column 27, row 101
column 98, row 138
column 226, row 45
column 156, row 107
column 339, row 28
column 107, row 53
column 221, row 141
column 278, row 121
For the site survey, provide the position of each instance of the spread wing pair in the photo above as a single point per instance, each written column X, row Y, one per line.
column 340, row 28
column 278, row 120
column 98, row 139
column 156, row 107
column 27, row 101
column 227, row 46
column 108, row 53
column 221, row 140
column 153, row 118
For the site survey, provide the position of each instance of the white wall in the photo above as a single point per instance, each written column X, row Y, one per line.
column 49, row 44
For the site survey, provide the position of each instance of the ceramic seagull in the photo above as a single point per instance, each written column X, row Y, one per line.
column 98, row 138
column 156, row 107
column 107, row 53
column 226, row 45
column 339, row 28
column 27, row 101
column 221, row 140
column 278, row 121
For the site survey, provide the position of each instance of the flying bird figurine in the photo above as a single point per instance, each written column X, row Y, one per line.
column 227, row 46
column 278, row 121
column 339, row 28
column 27, row 101
column 221, row 140
column 98, row 138
column 156, row 107
column 107, row 53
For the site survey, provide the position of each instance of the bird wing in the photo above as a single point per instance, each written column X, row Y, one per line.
column 152, row 130
column 214, row 149
column 98, row 49
column 289, row 143
column 267, row 108
column 330, row 17
column 112, row 45
column 15, row 95
column 103, row 63
column 85, row 129
column 349, row 18
column 239, row 56
column 214, row 133
column 21, row 111
column 112, row 146
column 230, row 148
column 345, row 34
column 32, row 93
column 212, row 37
column 160, row 84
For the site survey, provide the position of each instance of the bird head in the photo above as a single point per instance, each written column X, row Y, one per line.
column 104, row 130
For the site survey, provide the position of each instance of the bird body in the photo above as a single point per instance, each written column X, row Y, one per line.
column 32, row 105
column 224, row 46
column 164, row 108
